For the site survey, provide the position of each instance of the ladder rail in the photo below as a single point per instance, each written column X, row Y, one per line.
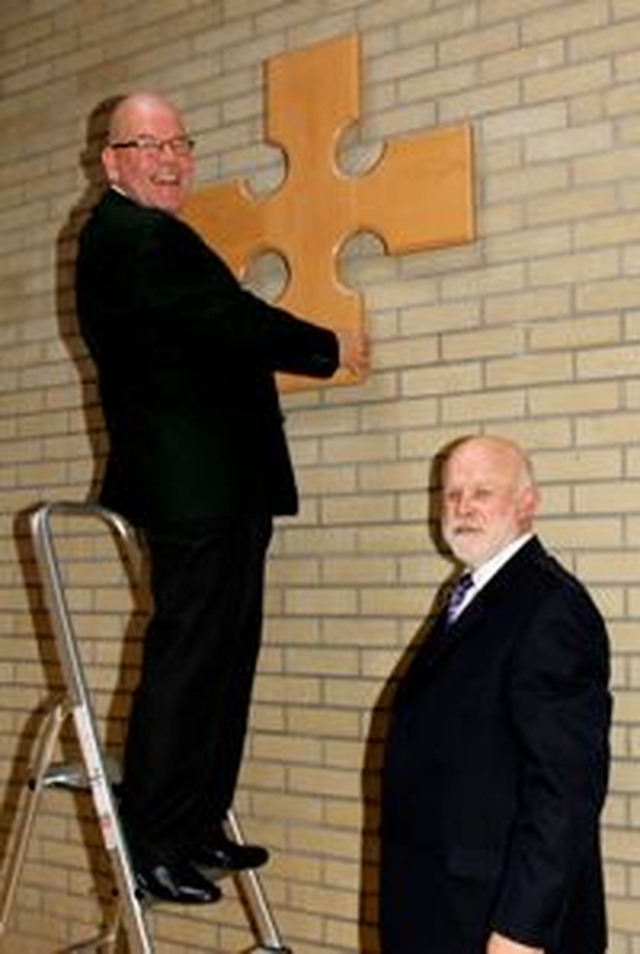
column 53, row 587
column 18, row 848
column 251, row 889
column 80, row 701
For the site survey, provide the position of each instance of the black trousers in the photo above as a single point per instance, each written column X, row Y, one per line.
column 190, row 710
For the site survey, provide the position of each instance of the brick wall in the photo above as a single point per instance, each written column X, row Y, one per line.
column 533, row 331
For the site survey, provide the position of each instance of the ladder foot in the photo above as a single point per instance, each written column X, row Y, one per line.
column 264, row 948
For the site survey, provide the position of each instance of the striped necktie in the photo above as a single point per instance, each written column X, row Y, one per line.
column 456, row 597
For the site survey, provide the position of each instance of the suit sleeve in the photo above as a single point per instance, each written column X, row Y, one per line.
column 560, row 708
column 188, row 288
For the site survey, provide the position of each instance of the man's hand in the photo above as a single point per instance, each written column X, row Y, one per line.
column 354, row 351
column 499, row 944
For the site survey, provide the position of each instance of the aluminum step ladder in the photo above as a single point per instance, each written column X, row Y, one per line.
column 97, row 773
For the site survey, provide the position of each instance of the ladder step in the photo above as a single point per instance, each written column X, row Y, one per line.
column 73, row 775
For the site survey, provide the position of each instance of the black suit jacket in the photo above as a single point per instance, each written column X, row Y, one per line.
column 186, row 362
column 495, row 773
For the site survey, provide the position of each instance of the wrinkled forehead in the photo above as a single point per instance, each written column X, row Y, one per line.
column 139, row 115
column 482, row 463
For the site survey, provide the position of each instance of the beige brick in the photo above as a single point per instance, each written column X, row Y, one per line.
column 614, row 38
column 332, row 783
column 478, row 42
column 532, row 242
column 565, row 269
column 488, row 406
column 364, row 572
column 526, row 121
column 325, row 662
column 572, row 464
column 572, row 80
column 394, row 64
column 329, row 601
column 528, row 305
column 323, row 721
column 530, row 369
column 359, row 509
column 607, row 567
column 571, row 205
column 354, row 691
column 400, row 417
column 328, row 479
column 408, row 352
column 602, row 428
column 309, row 541
column 437, row 317
column 596, row 497
column 528, row 61
column 609, row 363
column 285, row 748
column 433, row 380
column 479, row 100
column 322, row 421
column 574, row 17
column 369, row 447
column 563, row 334
column 590, row 397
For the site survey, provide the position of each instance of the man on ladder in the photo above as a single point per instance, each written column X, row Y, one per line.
column 199, row 463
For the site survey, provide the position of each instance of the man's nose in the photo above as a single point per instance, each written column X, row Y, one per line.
column 464, row 504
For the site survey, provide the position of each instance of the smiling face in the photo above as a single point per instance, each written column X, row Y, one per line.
column 489, row 498
column 159, row 178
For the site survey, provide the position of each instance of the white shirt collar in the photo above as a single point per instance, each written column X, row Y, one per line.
column 484, row 573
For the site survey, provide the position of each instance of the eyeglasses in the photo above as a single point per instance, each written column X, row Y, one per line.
column 150, row 146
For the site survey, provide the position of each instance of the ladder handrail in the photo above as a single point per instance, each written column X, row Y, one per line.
column 81, row 707
column 51, row 578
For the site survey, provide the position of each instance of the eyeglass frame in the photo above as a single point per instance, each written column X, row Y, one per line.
column 153, row 146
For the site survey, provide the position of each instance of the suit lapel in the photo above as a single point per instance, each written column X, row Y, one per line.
column 442, row 640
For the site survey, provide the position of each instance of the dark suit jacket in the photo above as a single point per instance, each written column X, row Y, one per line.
column 496, row 770
column 186, row 362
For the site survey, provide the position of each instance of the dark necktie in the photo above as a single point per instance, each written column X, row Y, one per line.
column 456, row 597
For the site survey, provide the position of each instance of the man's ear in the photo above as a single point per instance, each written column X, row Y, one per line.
column 528, row 502
column 110, row 164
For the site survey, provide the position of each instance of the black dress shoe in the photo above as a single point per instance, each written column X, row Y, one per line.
column 227, row 855
column 180, row 883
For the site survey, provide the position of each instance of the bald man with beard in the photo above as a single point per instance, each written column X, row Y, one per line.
column 496, row 759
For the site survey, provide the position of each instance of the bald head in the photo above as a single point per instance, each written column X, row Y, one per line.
column 489, row 497
column 134, row 110
column 499, row 452
column 148, row 154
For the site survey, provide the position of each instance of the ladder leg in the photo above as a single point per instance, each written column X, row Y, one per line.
column 104, row 942
column 46, row 774
column 253, row 895
column 27, row 815
column 111, row 830
column 82, row 710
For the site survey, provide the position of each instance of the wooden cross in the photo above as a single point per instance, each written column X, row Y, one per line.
column 418, row 195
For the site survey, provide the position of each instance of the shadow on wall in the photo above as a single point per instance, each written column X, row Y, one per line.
column 90, row 161
column 379, row 723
